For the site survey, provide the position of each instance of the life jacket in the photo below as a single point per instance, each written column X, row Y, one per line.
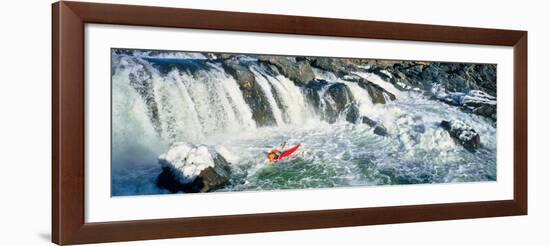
column 274, row 155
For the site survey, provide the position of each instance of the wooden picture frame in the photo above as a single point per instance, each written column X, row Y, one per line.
column 68, row 122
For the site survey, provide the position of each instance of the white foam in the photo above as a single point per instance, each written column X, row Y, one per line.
column 189, row 159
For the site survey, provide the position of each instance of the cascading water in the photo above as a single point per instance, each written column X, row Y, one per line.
column 161, row 98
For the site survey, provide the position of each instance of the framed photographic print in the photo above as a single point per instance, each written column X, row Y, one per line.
column 175, row 122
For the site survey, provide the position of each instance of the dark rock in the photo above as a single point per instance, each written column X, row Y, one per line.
column 317, row 84
column 335, row 66
column 463, row 134
column 378, row 71
column 455, row 77
column 209, row 179
column 311, row 91
column 445, row 124
column 376, row 92
column 352, row 113
column 379, row 129
column 168, row 180
column 344, row 68
column 336, row 98
column 339, row 66
column 330, row 104
column 252, row 92
column 481, row 103
column 297, row 70
column 340, row 94
column 489, row 111
column 369, row 121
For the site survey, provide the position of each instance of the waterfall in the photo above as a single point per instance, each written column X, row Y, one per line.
column 268, row 93
column 192, row 98
column 180, row 105
column 286, row 99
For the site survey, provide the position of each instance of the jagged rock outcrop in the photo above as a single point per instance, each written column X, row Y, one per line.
column 311, row 92
column 330, row 104
column 344, row 68
column 297, row 70
column 455, row 77
column 352, row 113
column 376, row 92
column 339, row 66
column 475, row 101
column 252, row 92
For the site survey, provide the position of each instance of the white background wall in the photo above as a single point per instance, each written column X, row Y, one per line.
column 25, row 122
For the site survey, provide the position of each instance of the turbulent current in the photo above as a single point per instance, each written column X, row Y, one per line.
column 159, row 99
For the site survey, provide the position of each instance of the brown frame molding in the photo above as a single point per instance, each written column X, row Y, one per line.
column 68, row 19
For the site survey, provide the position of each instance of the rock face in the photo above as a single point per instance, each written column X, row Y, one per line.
column 376, row 92
column 455, row 77
column 297, row 70
column 189, row 168
column 469, row 86
column 340, row 96
column 330, row 104
column 352, row 113
column 462, row 133
column 339, row 66
column 481, row 103
column 311, row 92
column 252, row 92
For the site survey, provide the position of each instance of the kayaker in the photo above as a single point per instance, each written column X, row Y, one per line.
column 274, row 154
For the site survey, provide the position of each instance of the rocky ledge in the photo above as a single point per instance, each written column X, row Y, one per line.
column 475, row 101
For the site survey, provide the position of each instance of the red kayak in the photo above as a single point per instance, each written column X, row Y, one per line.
column 288, row 152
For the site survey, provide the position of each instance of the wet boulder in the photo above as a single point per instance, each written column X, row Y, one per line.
column 312, row 93
column 335, row 99
column 252, row 92
column 352, row 113
column 489, row 111
column 297, row 70
column 378, row 128
column 193, row 168
column 462, row 133
column 339, row 66
column 340, row 94
column 481, row 103
column 377, row 93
